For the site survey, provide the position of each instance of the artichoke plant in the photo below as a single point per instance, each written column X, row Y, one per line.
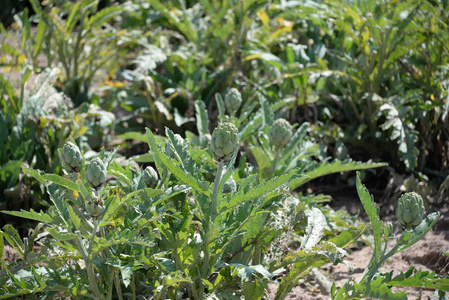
column 96, row 172
column 233, row 100
column 280, row 133
column 410, row 211
column 71, row 157
column 225, row 141
column 150, row 177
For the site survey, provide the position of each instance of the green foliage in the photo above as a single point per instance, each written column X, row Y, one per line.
column 76, row 37
column 188, row 235
column 342, row 76
column 33, row 125
column 382, row 52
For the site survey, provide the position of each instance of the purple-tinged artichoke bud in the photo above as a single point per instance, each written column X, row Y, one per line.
column 150, row 177
column 229, row 187
column 233, row 100
column 96, row 173
column 225, row 141
column 71, row 157
column 410, row 211
column 280, row 133
column 95, row 207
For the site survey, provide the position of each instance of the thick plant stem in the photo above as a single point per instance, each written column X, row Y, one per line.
column 89, row 267
column 217, row 183
column 118, row 286
column 209, row 225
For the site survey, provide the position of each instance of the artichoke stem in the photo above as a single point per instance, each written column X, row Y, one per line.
column 215, row 190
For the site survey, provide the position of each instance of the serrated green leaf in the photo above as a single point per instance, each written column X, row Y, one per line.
column 260, row 156
column 332, row 167
column 420, row 279
column 257, row 191
column 420, row 231
column 220, row 105
column 316, row 222
column 202, row 121
column 373, row 214
column 162, row 160
column 295, row 140
column 253, row 289
column 61, row 236
column 103, row 16
column 376, row 288
column 34, row 174
column 32, row 215
column 349, row 236
column 133, row 135
column 12, row 236
column 62, row 181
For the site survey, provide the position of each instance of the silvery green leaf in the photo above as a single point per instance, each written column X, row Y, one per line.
column 316, row 222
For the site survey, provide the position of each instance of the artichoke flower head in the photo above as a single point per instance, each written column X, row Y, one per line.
column 233, row 100
column 96, row 173
column 71, row 157
column 225, row 141
column 410, row 211
column 280, row 133
column 150, row 177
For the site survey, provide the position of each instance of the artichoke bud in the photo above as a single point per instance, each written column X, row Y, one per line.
column 225, row 141
column 233, row 100
column 71, row 157
column 410, row 211
column 150, row 177
column 96, row 173
column 280, row 133
column 229, row 187
column 95, row 207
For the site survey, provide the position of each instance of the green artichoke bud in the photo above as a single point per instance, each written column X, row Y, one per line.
column 410, row 211
column 225, row 141
column 233, row 100
column 280, row 133
column 229, row 186
column 205, row 140
column 95, row 207
column 71, row 157
column 96, row 172
column 150, row 177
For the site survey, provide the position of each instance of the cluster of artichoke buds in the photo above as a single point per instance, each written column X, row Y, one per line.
column 280, row 133
column 150, row 177
column 95, row 207
column 225, row 141
column 71, row 157
column 96, row 173
column 233, row 100
column 410, row 211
